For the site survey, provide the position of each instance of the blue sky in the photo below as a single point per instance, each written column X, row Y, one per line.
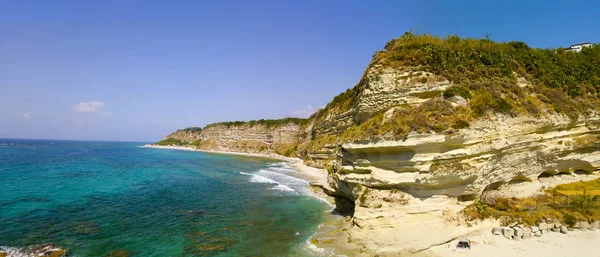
column 137, row 70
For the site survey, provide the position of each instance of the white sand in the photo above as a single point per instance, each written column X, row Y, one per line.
column 575, row 243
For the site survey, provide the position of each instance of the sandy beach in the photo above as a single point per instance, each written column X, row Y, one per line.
column 575, row 243
column 423, row 229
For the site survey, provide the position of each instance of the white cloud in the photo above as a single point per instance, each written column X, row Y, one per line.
column 304, row 113
column 84, row 107
column 26, row 115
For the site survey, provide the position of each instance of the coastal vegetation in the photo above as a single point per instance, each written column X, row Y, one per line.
column 269, row 123
column 493, row 77
column 191, row 129
column 464, row 60
column 568, row 203
column 174, row 141
column 169, row 141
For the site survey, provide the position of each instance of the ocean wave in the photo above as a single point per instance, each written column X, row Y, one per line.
column 284, row 188
column 280, row 174
column 323, row 252
column 284, row 181
column 286, row 169
column 261, row 179
column 277, row 164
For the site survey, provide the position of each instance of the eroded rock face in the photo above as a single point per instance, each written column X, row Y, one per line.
column 387, row 88
column 243, row 138
column 489, row 153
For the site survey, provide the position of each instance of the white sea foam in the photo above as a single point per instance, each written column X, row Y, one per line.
column 283, row 188
column 278, row 164
column 281, row 175
column 284, row 169
column 314, row 250
column 284, row 177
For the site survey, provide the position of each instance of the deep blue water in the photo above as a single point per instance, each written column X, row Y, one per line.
column 96, row 197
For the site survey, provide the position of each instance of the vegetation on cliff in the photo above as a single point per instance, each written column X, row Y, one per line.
column 191, row 129
column 467, row 59
column 175, row 141
column 494, row 77
column 491, row 77
column 270, row 123
column 169, row 141
column 569, row 82
column 567, row 203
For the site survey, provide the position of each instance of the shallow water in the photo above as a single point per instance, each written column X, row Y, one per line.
column 96, row 197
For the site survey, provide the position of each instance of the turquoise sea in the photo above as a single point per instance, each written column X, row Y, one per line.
column 94, row 198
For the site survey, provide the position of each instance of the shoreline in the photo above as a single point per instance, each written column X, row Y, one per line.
column 317, row 176
column 427, row 228
column 328, row 233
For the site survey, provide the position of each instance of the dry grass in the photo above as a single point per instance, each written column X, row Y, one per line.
column 579, row 200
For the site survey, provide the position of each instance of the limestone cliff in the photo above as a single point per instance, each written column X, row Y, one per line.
column 435, row 116
column 434, row 121
column 250, row 137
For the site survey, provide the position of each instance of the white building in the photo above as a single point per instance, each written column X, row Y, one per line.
column 578, row 47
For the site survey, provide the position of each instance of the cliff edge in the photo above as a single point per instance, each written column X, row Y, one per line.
column 435, row 122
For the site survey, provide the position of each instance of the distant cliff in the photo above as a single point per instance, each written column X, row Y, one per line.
column 261, row 136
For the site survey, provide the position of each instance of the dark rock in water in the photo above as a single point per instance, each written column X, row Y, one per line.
column 85, row 227
column 43, row 250
column 50, row 250
column 211, row 247
column 119, row 253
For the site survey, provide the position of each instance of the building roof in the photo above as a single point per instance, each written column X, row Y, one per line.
column 586, row 43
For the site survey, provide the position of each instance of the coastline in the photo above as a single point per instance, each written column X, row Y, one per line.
column 315, row 175
column 408, row 230
column 328, row 239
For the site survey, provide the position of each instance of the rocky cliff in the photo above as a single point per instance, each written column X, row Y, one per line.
column 432, row 117
column 438, row 116
column 250, row 137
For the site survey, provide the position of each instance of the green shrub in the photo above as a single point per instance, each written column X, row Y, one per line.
column 169, row 141
column 485, row 101
column 460, row 124
column 569, row 220
column 482, row 208
column 457, row 90
column 267, row 123
column 191, row 129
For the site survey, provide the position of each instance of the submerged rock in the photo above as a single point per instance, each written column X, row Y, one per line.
column 84, row 227
column 45, row 250
column 211, row 247
column 119, row 253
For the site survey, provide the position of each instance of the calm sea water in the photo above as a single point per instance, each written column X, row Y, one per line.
column 96, row 197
